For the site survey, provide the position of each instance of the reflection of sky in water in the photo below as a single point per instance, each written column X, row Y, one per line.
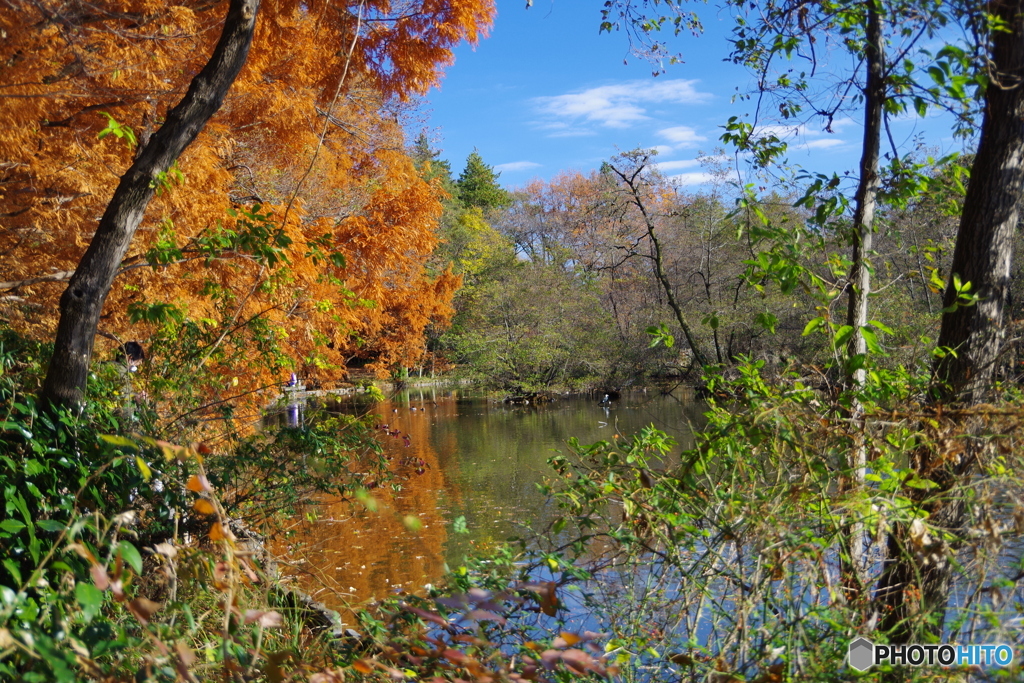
column 454, row 458
column 481, row 461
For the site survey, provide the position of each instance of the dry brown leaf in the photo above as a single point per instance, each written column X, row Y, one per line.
column 99, row 577
column 166, row 549
column 143, row 609
column 266, row 619
column 566, row 639
column 83, row 552
column 363, row 666
column 484, row 615
column 185, row 656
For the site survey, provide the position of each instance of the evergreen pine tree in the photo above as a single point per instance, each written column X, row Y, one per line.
column 478, row 184
column 430, row 165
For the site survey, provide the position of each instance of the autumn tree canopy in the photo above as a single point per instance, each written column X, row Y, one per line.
column 297, row 205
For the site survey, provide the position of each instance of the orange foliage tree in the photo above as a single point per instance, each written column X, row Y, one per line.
column 294, row 221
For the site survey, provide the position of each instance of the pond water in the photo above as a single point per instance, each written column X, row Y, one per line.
column 468, row 470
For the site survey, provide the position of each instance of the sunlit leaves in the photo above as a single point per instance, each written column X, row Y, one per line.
column 660, row 335
column 274, row 255
column 118, row 130
column 812, row 325
column 367, row 500
column 117, row 440
column 198, row 483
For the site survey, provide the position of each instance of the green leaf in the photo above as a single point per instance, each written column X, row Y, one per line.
column 812, row 325
column 90, row 598
column 367, row 499
column 880, row 326
column 767, row 320
column 130, row 555
column 660, row 335
column 51, row 525
column 871, row 340
column 147, row 473
column 843, row 335
column 118, row 130
column 12, row 525
column 856, row 362
column 15, row 571
column 115, row 440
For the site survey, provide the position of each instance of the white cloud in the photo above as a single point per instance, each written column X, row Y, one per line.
column 562, row 129
column 839, row 124
column 665, row 166
column 514, row 166
column 800, row 137
column 681, row 136
column 824, row 143
column 782, row 132
column 662, row 149
column 619, row 105
column 692, row 178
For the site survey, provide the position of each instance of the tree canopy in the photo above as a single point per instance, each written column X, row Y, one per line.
column 297, row 204
column 478, row 184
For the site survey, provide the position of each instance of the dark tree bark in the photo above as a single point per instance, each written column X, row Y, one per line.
column 82, row 302
column 991, row 208
column 917, row 575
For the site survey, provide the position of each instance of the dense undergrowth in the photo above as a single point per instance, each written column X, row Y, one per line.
column 735, row 563
column 120, row 559
column 127, row 557
column 123, row 556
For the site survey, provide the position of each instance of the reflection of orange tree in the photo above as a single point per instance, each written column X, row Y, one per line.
column 352, row 553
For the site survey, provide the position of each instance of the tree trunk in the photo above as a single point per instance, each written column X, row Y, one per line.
column 860, row 279
column 920, row 585
column 82, row 302
column 984, row 246
column 867, row 190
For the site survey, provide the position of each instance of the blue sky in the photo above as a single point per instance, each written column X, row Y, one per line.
column 546, row 92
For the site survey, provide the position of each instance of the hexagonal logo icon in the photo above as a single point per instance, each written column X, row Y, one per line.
column 862, row 654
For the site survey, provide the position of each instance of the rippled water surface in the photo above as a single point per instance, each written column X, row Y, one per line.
column 468, row 469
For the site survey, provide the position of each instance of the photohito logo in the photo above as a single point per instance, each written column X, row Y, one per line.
column 863, row 654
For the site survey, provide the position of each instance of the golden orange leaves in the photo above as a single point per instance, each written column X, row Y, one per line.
column 198, row 483
column 353, row 282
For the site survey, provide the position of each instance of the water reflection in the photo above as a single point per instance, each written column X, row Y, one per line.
column 457, row 457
